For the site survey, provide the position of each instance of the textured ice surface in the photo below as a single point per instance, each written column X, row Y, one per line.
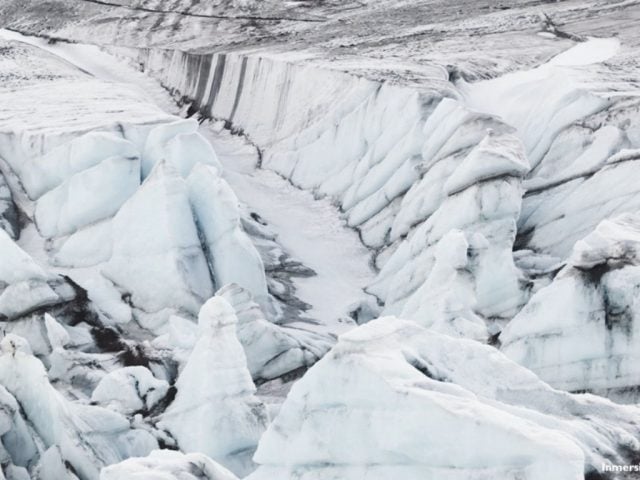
column 447, row 134
column 394, row 399
column 233, row 257
column 88, row 437
column 129, row 390
column 578, row 333
column 157, row 255
column 168, row 465
column 215, row 411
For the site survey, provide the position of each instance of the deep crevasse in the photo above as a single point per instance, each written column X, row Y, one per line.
column 383, row 153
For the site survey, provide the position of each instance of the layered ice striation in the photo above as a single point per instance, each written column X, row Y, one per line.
column 578, row 333
column 395, row 400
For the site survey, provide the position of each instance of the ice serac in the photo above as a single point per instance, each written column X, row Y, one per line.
column 396, row 400
column 41, row 173
column 271, row 350
column 579, row 332
column 458, row 265
column 24, row 285
column 87, row 197
column 157, row 257
column 179, row 144
column 232, row 256
column 168, row 465
column 18, row 445
column 215, row 410
column 88, row 437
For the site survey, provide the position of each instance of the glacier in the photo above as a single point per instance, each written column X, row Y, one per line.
column 316, row 240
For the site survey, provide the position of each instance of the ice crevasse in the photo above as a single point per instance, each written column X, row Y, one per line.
column 472, row 195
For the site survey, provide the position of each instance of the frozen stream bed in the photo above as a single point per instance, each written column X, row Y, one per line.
column 311, row 230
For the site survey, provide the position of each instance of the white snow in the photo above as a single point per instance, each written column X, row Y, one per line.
column 307, row 228
column 594, row 50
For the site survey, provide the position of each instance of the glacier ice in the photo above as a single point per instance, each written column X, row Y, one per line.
column 168, row 465
column 120, row 223
column 395, row 400
column 215, row 410
column 87, row 197
column 230, row 252
column 157, row 256
column 577, row 333
column 180, row 144
column 271, row 350
column 40, row 174
column 24, row 285
column 88, row 437
column 8, row 211
column 476, row 265
column 130, row 389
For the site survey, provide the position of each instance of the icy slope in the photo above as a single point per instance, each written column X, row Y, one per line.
column 395, row 400
column 579, row 333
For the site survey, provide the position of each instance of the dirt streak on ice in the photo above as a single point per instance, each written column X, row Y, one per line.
column 311, row 230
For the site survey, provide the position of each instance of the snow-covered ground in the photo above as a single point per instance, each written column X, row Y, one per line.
column 311, row 230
